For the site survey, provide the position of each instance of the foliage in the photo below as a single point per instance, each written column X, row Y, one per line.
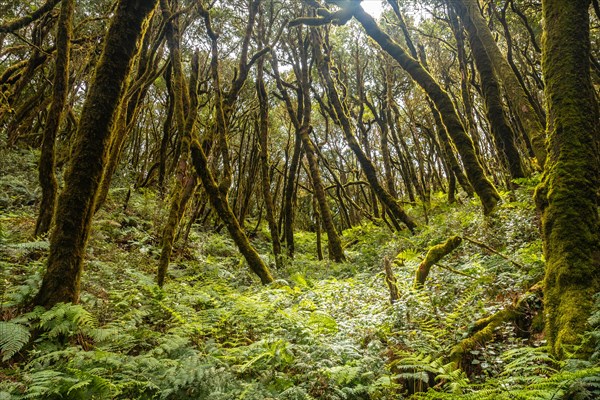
column 321, row 331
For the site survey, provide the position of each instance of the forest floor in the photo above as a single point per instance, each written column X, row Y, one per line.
column 320, row 331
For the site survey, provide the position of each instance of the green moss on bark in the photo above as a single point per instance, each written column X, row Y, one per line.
column 435, row 254
column 76, row 203
column 567, row 196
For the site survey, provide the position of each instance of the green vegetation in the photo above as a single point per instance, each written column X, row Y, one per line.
column 320, row 331
column 300, row 200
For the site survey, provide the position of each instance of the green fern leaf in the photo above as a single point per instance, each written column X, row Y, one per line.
column 12, row 339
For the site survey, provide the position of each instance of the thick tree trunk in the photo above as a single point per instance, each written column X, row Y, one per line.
column 567, row 196
column 482, row 186
column 504, row 137
column 76, row 203
column 60, row 91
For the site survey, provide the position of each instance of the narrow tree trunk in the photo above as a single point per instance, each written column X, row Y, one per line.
column 263, row 136
column 76, row 203
column 567, row 196
column 221, row 205
column 367, row 165
column 60, row 91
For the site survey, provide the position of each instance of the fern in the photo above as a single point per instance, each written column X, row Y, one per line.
column 13, row 337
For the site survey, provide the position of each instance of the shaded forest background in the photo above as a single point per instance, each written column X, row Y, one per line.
column 417, row 195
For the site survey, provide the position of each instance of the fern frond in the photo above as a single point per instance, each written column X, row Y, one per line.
column 13, row 337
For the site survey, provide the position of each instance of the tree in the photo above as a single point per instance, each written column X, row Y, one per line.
column 567, row 197
column 475, row 173
column 76, row 202
column 59, row 97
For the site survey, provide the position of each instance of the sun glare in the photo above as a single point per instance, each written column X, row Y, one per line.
column 373, row 7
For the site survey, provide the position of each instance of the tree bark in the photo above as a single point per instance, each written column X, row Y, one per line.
column 482, row 186
column 60, row 91
column 514, row 91
column 263, row 137
column 567, row 196
column 76, row 203
column 366, row 164
column 504, row 137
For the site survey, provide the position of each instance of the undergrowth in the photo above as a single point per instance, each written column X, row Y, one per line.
column 320, row 331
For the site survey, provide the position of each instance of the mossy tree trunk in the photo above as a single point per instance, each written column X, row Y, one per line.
column 504, row 137
column 475, row 173
column 75, row 204
column 334, row 244
column 567, row 196
column 263, row 137
column 147, row 72
column 434, row 255
column 184, row 102
column 221, row 206
column 301, row 120
column 224, row 107
column 60, row 91
column 513, row 89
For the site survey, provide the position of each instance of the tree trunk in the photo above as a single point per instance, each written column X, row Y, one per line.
column 504, row 137
column 76, row 203
column 60, row 91
column 221, row 205
column 567, row 196
column 482, row 186
column 263, row 137
column 514, row 91
column 366, row 164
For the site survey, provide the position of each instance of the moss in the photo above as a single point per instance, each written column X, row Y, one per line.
column 221, row 206
column 60, row 84
column 483, row 330
column 435, row 254
column 566, row 197
column 82, row 178
column 514, row 91
column 504, row 137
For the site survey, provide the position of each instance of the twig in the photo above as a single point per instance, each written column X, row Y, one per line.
column 488, row 248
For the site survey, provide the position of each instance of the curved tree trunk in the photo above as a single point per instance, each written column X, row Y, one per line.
column 60, row 91
column 366, row 164
column 568, row 197
column 76, row 203
column 482, row 186
column 221, row 206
